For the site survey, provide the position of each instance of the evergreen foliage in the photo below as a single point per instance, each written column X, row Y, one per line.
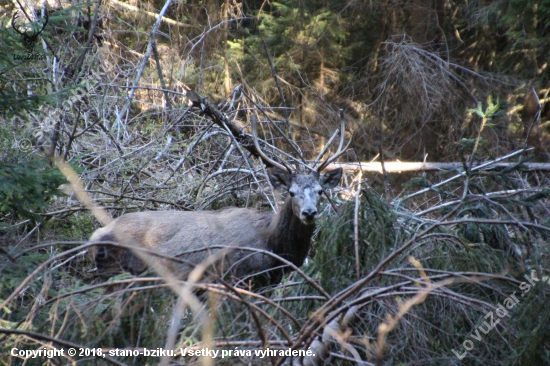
column 14, row 95
column 26, row 188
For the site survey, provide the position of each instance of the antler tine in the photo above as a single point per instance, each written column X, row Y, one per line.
column 14, row 25
column 340, row 150
column 260, row 152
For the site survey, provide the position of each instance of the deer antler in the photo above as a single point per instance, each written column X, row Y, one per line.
column 25, row 34
column 264, row 157
column 340, row 150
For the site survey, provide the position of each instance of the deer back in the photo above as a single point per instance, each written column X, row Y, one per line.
column 189, row 236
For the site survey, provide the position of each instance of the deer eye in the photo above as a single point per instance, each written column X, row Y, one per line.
column 292, row 194
column 320, row 192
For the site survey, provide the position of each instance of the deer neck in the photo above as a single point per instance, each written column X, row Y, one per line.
column 290, row 238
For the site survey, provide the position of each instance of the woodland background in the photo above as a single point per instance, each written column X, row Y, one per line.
column 137, row 96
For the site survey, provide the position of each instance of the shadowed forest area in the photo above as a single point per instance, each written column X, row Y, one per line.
column 433, row 250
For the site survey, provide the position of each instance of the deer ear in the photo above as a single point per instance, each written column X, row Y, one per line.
column 279, row 178
column 331, row 178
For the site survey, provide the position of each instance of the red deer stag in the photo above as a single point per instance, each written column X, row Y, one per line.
column 248, row 235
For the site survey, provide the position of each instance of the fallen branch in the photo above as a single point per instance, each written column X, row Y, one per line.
column 400, row 167
column 220, row 119
column 150, row 14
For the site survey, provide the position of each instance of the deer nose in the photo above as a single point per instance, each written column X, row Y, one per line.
column 309, row 213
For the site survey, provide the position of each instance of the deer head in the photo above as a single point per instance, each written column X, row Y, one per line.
column 29, row 36
column 304, row 190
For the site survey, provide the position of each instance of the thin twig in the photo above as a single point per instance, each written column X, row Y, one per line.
column 276, row 78
column 356, row 226
column 146, row 56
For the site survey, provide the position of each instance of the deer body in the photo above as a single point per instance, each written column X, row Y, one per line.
column 193, row 236
column 244, row 236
